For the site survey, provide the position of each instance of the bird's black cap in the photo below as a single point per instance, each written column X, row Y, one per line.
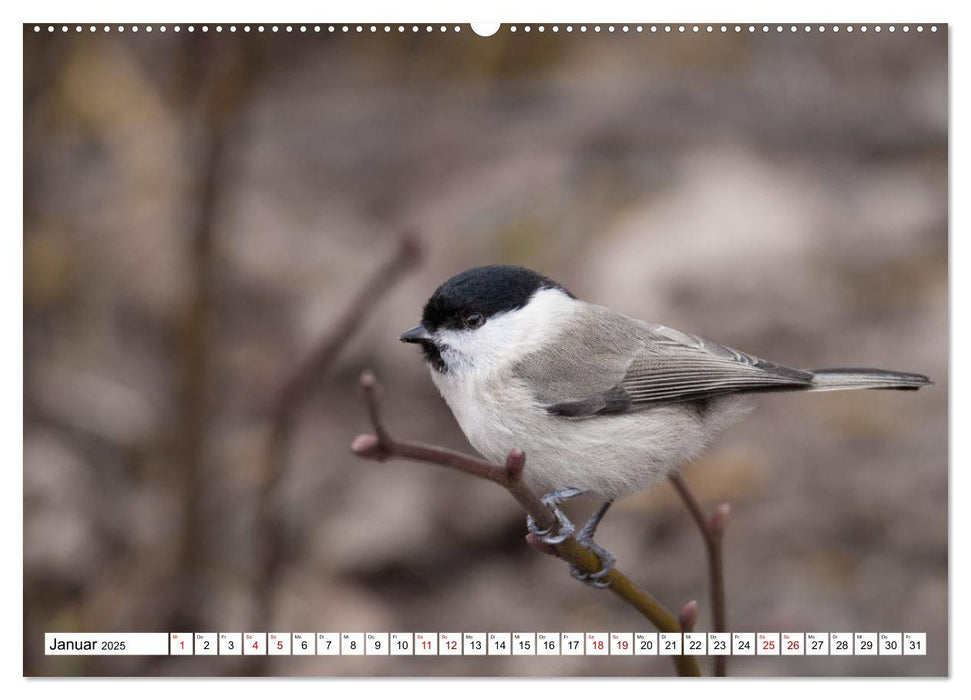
column 487, row 290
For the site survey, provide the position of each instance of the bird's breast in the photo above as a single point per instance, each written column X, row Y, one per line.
column 493, row 411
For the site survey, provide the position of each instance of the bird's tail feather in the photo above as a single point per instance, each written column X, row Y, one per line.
column 835, row 379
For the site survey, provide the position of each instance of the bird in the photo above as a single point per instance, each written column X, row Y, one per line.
column 601, row 403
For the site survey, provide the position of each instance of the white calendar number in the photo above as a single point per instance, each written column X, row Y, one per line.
column 524, row 643
column 817, row 644
column 402, row 643
column 621, row 643
column 743, row 644
column 230, row 644
column 915, row 643
column 695, row 643
column 890, row 643
column 767, row 643
column 303, row 644
column 278, row 644
column 597, row 643
column 548, row 643
column 426, row 644
column 376, row 644
column 865, row 643
column 793, row 644
column 475, row 644
column 571, row 643
column 500, row 644
column 449, row 644
column 841, row 644
column 205, row 643
column 669, row 643
column 645, row 643
column 180, row 644
column 254, row 643
column 328, row 644
column 719, row 643
column 352, row 644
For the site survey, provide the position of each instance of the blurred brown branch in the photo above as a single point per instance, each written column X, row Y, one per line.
column 380, row 446
column 297, row 387
column 712, row 529
column 218, row 80
column 292, row 397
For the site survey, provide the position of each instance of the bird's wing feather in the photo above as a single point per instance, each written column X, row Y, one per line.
column 614, row 364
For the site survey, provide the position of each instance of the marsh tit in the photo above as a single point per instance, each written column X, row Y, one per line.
column 601, row 403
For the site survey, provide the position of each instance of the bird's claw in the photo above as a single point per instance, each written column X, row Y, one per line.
column 564, row 529
column 561, row 532
column 555, row 498
column 607, row 561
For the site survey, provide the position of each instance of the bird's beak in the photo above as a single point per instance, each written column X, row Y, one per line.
column 418, row 334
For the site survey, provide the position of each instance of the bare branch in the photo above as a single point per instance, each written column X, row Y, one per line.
column 218, row 80
column 712, row 530
column 299, row 385
column 381, row 446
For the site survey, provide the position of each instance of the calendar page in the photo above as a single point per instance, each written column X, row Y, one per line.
column 549, row 349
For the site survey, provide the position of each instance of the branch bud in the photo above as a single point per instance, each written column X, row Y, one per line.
column 367, row 381
column 368, row 446
column 688, row 616
column 515, row 463
column 719, row 519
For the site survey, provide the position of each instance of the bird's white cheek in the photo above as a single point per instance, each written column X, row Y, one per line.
column 464, row 352
column 480, row 352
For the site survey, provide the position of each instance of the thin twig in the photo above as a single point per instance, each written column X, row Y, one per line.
column 293, row 396
column 298, row 386
column 712, row 530
column 380, row 446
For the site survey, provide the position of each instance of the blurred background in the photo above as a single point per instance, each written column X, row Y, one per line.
column 201, row 210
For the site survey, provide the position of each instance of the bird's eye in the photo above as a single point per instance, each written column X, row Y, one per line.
column 474, row 320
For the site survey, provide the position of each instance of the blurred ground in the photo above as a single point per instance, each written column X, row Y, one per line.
column 200, row 209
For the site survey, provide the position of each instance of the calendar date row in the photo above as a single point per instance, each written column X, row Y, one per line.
column 489, row 644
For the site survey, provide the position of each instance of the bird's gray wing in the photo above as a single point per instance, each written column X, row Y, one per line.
column 611, row 363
